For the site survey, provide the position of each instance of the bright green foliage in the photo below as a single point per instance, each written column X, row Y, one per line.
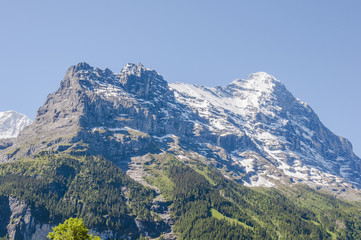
column 71, row 229
column 220, row 216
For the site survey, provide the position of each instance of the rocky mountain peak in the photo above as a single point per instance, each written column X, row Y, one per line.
column 82, row 77
column 73, row 75
column 143, row 82
column 262, row 76
column 82, row 66
column 260, row 82
column 133, row 69
column 134, row 79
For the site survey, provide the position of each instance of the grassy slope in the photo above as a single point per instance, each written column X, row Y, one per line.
column 220, row 216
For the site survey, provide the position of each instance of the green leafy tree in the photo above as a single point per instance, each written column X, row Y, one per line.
column 72, row 229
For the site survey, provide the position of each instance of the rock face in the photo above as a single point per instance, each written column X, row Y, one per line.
column 253, row 130
column 11, row 124
column 17, row 222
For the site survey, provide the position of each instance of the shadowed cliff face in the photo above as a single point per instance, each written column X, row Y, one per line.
column 16, row 220
column 253, row 129
column 145, row 83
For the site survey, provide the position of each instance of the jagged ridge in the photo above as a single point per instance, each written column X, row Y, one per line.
column 253, row 129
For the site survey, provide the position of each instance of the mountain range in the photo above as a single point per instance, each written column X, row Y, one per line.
column 173, row 160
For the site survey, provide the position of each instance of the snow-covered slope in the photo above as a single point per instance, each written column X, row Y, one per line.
column 11, row 123
column 290, row 142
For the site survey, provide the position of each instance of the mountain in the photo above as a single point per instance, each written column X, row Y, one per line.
column 132, row 154
column 11, row 124
column 288, row 142
column 253, row 129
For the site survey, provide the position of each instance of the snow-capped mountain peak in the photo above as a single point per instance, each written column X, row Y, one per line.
column 260, row 81
column 286, row 134
column 11, row 123
column 134, row 69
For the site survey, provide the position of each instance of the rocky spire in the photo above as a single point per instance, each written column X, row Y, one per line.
column 143, row 82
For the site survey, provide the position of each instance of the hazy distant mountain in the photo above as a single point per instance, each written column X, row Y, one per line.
column 11, row 123
column 189, row 149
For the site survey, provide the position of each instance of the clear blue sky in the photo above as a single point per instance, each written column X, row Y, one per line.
column 313, row 47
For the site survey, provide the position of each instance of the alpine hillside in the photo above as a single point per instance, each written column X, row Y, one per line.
column 135, row 156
